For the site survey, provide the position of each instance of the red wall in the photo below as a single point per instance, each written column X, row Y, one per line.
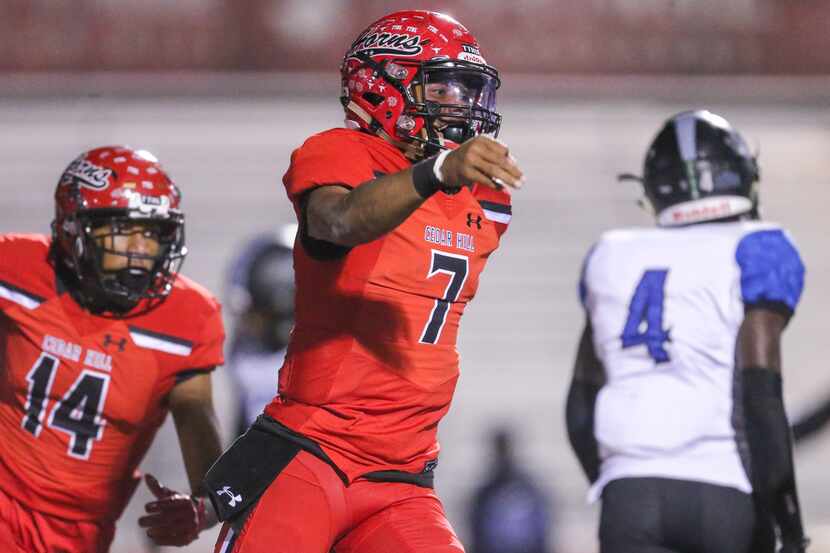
column 588, row 36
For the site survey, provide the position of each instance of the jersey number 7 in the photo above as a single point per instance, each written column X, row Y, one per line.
column 644, row 324
column 456, row 266
column 78, row 413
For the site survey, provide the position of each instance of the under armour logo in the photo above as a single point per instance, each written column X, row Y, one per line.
column 122, row 343
column 476, row 221
column 234, row 499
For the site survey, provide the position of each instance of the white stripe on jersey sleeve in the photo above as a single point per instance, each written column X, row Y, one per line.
column 160, row 344
column 497, row 217
column 18, row 297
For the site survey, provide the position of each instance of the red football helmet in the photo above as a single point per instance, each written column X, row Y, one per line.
column 121, row 188
column 417, row 78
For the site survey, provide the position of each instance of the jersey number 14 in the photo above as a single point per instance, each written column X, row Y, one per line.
column 78, row 413
column 644, row 324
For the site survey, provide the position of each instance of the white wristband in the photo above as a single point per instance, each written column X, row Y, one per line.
column 439, row 162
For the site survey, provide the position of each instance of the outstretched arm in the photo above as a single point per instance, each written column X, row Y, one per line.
column 588, row 379
column 176, row 518
column 347, row 217
column 758, row 356
column 811, row 423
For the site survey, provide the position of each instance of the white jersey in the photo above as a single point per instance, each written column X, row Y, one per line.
column 255, row 375
column 666, row 305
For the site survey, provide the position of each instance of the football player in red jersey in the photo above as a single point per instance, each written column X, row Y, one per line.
column 100, row 338
column 398, row 214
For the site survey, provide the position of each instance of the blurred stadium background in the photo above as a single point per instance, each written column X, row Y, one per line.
column 223, row 90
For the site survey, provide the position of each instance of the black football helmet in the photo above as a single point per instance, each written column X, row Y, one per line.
column 261, row 288
column 698, row 168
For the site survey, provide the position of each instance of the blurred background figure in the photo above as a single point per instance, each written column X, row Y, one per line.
column 509, row 512
column 810, row 423
column 260, row 298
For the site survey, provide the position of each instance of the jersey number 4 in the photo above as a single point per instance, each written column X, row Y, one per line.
column 456, row 266
column 644, row 324
column 78, row 413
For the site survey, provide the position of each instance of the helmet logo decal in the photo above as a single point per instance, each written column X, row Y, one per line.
column 400, row 44
column 141, row 205
column 87, row 174
column 705, row 209
column 470, row 52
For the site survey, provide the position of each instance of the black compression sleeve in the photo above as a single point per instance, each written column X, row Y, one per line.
column 579, row 414
column 770, row 448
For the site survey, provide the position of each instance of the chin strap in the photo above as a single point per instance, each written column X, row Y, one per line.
column 414, row 150
column 360, row 112
column 642, row 200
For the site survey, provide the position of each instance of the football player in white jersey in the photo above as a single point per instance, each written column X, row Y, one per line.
column 260, row 295
column 675, row 409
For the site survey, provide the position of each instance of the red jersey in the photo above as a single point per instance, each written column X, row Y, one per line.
column 372, row 363
column 81, row 396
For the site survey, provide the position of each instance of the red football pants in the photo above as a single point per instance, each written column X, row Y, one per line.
column 25, row 531
column 307, row 509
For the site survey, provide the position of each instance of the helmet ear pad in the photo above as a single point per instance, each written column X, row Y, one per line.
column 377, row 95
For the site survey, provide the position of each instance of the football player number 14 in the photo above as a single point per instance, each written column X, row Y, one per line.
column 456, row 266
column 78, row 413
column 644, row 325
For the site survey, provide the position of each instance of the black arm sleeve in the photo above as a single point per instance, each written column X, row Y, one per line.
column 579, row 414
column 770, row 447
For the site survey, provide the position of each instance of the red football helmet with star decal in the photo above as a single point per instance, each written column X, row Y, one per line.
column 122, row 191
column 418, row 79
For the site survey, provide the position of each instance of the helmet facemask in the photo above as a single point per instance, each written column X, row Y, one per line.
column 116, row 277
column 456, row 100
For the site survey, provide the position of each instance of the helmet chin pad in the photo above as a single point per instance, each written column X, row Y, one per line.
column 118, row 291
column 456, row 132
column 134, row 279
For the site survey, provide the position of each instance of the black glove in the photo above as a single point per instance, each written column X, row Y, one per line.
column 788, row 520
